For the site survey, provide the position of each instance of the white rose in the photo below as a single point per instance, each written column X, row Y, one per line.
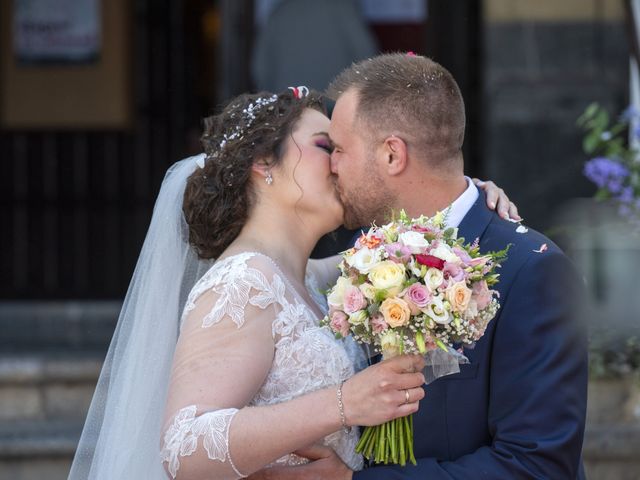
column 437, row 311
column 364, row 259
column 458, row 296
column 414, row 241
column 387, row 275
column 389, row 344
column 444, row 252
column 433, row 279
column 336, row 297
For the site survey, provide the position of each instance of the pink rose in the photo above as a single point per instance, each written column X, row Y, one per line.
column 481, row 294
column 398, row 252
column 354, row 300
column 418, row 294
column 340, row 323
column 378, row 325
column 452, row 271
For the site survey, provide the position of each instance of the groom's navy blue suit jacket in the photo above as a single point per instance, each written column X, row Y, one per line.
column 517, row 411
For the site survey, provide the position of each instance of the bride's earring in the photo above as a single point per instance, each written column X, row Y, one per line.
column 269, row 178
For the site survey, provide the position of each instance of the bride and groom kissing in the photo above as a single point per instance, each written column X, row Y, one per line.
column 219, row 368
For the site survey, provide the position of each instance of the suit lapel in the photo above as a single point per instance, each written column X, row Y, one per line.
column 477, row 219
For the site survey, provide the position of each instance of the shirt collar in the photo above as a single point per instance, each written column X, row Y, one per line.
column 461, row 205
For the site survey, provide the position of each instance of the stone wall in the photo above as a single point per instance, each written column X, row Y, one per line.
column 545, row 61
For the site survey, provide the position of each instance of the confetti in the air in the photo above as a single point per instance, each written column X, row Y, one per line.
column 543, row 248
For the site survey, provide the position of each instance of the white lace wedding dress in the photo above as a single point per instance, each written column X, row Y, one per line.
column 307, row 357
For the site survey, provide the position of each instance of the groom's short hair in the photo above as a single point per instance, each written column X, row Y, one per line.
column 411, row 96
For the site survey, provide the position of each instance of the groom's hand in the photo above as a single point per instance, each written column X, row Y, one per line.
column 325, row 465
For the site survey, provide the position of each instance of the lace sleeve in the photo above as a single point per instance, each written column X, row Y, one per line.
column 181, row 438
column 223, row 355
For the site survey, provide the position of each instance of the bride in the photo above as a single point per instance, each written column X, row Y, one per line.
column 218, row 366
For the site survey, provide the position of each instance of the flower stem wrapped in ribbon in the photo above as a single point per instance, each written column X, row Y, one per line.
column 413, row 287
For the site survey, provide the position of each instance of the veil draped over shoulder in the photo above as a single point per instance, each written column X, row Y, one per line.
column 121, row 436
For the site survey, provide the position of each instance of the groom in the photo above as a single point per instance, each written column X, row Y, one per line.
column 517, row 410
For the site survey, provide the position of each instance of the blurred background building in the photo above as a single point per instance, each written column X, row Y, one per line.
column 98, row 98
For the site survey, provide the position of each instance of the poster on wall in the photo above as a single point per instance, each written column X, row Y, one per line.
column 56, row 31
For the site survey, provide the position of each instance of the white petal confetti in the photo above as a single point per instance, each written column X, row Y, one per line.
column 522, row 229
column 509, row 219
column 543, row 248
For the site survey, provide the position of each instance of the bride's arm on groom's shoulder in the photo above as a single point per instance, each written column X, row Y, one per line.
column 498, row 200
column 223, row 356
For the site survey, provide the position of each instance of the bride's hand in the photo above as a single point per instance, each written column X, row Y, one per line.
column 380, row 392
column 497, row 200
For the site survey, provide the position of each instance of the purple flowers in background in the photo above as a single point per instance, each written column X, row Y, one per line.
column 606, row 173
column 615, row 158
column 631, row 113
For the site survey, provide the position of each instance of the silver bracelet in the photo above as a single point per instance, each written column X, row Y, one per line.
column 343, row 420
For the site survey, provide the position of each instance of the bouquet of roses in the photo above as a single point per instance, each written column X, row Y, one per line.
column 413, row 287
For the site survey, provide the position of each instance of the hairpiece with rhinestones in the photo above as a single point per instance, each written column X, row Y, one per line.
column 249, row 116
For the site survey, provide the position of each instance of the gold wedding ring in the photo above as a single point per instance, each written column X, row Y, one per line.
column 406, row 396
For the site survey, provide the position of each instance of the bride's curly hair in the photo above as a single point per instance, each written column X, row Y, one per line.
column 219, row 197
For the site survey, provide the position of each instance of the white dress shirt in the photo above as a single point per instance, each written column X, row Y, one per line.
column 461, row 205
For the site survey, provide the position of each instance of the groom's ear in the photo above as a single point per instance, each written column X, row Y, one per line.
column 395, row 153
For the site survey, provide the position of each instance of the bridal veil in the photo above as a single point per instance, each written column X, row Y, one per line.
column 121, row 436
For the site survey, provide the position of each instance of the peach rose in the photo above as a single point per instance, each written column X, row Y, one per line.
column 395, row 311
column 458, row 296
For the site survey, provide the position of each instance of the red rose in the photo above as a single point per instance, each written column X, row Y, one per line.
column 430, row 261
